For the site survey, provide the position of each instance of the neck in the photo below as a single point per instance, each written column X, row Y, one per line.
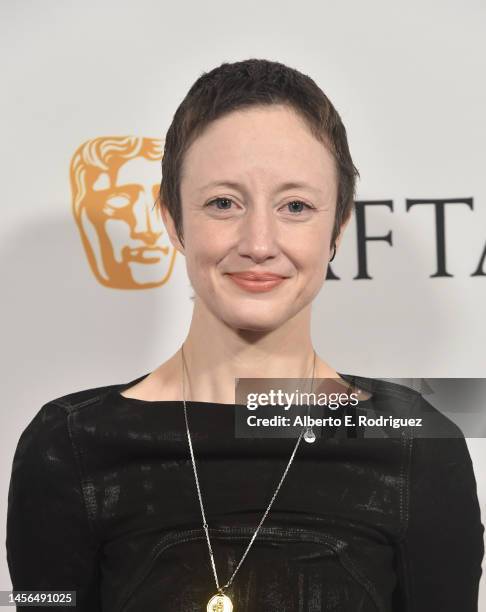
column 216, row 354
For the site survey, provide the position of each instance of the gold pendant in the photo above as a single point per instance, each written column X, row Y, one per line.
column 220, row 603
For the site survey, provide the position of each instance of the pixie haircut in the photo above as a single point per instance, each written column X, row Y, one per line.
column 240, row 85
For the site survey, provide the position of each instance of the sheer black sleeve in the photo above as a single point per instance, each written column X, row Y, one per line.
column 51, row 544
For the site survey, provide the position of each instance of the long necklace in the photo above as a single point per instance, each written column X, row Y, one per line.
column 220, row 602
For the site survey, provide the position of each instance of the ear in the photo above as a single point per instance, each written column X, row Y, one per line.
column 341, row 231
column 170, row 227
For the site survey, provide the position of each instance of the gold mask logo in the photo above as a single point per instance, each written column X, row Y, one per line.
column 115, row 184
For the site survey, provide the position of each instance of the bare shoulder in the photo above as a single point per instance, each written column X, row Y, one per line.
column 159, row 385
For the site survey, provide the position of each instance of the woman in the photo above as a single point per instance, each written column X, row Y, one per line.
column 139, row 496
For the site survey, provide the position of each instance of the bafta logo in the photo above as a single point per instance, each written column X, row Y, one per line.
column 115, row 185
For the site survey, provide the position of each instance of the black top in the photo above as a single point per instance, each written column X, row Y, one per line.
column 102, row 500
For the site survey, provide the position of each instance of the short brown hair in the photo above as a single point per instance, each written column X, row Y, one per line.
column 255, row 82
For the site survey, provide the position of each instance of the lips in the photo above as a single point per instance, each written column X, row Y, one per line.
column 256, row 282
column 142, row 250
column 257, row 276
column 146, row 254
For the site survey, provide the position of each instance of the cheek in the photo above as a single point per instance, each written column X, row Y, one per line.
column 311, row 256
column 202, row 255
column 209, row 242
column 308, row 243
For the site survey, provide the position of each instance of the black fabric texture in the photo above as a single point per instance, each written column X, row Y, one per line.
column 102, row 500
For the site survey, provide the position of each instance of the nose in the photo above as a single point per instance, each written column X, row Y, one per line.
column 258, row 234
column 144, row 227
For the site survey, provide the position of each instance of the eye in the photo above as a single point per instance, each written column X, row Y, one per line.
column 118, row 201
column 225, row 201
column 296, row 206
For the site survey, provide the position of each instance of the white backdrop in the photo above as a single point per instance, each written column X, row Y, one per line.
column 409, row 84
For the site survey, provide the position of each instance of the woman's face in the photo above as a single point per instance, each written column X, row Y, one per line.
column 258, row 195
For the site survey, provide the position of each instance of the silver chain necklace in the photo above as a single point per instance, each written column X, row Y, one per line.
column 220, row 602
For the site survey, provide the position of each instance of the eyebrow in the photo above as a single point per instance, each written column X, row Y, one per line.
column 282, row 187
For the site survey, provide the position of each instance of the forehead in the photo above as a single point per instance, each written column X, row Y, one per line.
column 138, row 170
column 271, row 142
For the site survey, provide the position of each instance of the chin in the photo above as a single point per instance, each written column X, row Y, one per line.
column 255, row 319
column 253, row 326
